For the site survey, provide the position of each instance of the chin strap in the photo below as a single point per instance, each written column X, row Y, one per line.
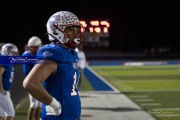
column 71, row 45
column 55, row 39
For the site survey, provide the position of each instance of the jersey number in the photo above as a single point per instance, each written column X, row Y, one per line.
column 73, row 93
column 12, row 75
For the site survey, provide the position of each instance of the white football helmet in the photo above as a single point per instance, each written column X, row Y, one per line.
column 9, row 49
column 35, row 41
column 58, row 25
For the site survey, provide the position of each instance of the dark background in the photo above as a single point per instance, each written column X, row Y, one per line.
column 135, row 27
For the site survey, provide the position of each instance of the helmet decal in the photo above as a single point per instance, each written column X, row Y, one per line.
column 9, row 49
column 54, row 22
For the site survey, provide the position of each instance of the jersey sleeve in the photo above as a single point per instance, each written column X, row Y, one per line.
column 25, row 53
column 51, row 54
column 26, row 67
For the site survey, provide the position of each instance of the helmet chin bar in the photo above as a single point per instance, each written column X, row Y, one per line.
column 73, row 43
column 55, row 39
column 77, row 40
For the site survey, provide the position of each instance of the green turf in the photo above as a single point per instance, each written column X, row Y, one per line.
column 142, row 78
column 165, row 99
column 86, row 85
column 21, row 110
column 153, row 88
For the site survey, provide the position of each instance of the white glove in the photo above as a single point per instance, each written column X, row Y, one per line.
column 54, row 108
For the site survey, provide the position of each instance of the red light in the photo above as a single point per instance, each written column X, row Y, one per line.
column 91, row 29
column 82, row 29
column 105, row 23
column 97, row 29
column 83, row 23
column 94, row 23
column 105, row 29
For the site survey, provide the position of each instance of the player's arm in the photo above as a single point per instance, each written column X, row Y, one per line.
column 1, row 86
column 33, row 81
column 33, row 84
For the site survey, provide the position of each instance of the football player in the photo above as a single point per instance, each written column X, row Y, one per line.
column 58, row 69
column 6, row 78
column 81, row 64
column 34, row 43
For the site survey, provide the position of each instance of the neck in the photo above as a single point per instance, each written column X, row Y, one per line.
column 65, row 46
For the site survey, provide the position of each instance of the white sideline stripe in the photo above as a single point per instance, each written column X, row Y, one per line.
column 18, row 106
column 162, row 90
column 139, row 96
column 144, row 100
column 145, row 63
column 168, row 115
column 115, row 90
column 166, row 109
column 151, row 104
column 133, row 64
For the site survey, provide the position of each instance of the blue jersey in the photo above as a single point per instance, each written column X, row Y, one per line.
column 27, row 67
column 63, row 84
column 7, row 76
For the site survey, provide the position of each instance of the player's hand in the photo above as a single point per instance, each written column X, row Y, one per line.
column 54, row 108
column 52, row 111
column 3, row 91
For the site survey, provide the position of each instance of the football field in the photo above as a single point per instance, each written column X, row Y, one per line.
column 155, row 88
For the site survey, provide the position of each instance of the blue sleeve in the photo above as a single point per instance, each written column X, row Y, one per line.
column 52, row 54
column 26, row 67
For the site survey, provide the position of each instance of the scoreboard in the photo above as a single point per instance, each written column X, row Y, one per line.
column 95, row 32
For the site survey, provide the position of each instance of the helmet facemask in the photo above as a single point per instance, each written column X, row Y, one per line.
column 72, row 35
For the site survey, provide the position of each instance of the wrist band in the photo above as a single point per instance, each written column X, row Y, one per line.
column 55, row 104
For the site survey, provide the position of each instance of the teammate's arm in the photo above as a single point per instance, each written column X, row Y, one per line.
column 1, row 86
